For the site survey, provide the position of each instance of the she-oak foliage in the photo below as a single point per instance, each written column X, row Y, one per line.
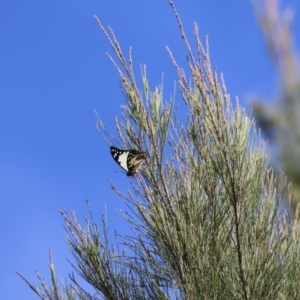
column 209, row 217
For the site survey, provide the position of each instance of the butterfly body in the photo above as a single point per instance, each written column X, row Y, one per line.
column 130, row 160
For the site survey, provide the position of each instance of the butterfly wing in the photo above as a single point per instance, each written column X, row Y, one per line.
column 120, row 156
column 129, row 160
column 135, row 160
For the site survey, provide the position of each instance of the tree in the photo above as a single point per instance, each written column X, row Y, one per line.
column 279, row 120
column 209, row 216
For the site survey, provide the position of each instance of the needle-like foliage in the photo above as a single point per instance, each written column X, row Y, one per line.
column 279, row 119
column 208, row 216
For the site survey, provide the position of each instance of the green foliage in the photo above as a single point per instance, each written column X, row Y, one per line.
column 58, row 290
column 279, row 120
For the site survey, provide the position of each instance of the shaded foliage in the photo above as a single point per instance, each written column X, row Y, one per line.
column 279, row 119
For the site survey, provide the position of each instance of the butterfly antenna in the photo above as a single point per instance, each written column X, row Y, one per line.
column 119, row 172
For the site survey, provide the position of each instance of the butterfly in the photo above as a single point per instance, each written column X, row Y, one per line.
column 130, row 160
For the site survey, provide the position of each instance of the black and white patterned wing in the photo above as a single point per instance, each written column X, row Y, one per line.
column 120, row 156
column 130, row 160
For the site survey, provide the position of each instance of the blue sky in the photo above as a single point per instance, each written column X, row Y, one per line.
column 54, row 73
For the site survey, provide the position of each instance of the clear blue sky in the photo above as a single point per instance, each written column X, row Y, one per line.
column 54, row 73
